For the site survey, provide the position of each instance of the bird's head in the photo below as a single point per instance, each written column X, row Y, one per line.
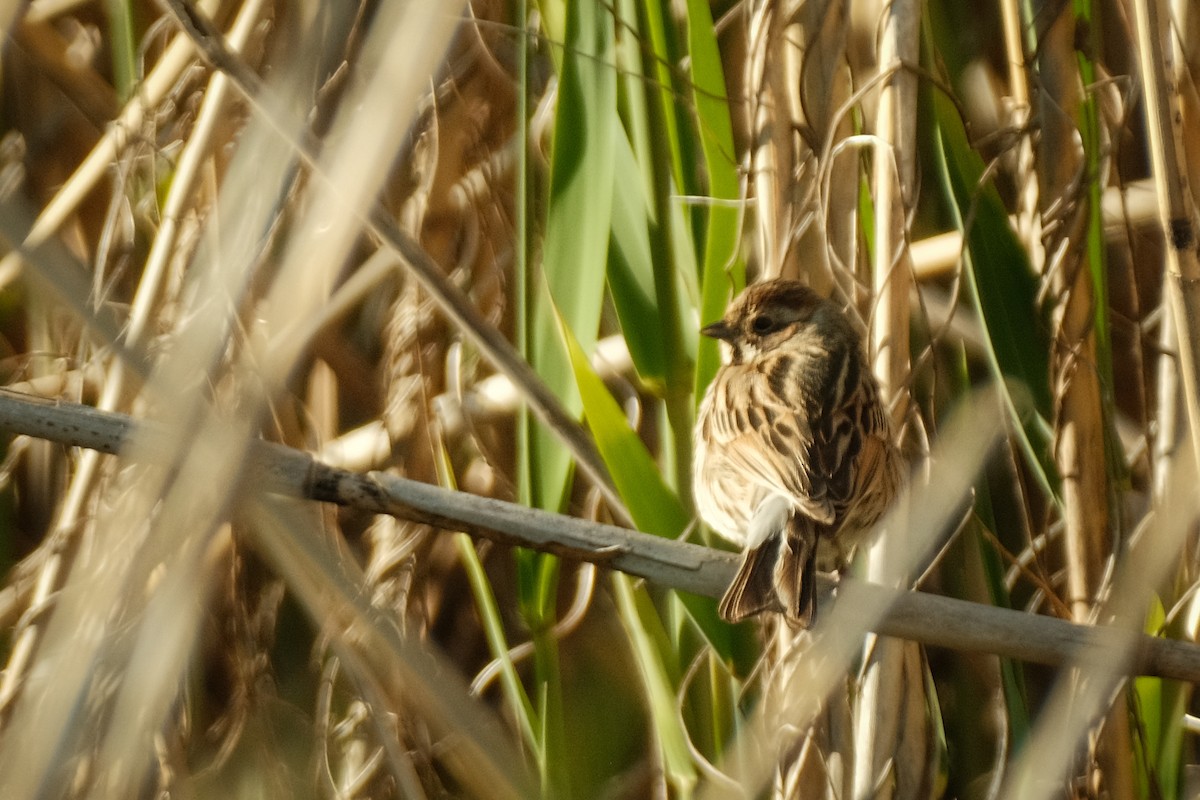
column 766, row 316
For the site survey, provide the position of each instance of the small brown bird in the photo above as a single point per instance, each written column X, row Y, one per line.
column 794, row 458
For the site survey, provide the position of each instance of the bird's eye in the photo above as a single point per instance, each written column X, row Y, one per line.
column 762, row 324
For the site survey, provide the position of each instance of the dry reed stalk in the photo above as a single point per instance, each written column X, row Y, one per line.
column 794, row 75
column 72, row 519
column 1177, row 206
column 116, row 138
column 1172, row 127
column 1080, row 435
column 806, row 189
column 1020, row 110
column 796, row 78
column 173, row 541
column 895, row 749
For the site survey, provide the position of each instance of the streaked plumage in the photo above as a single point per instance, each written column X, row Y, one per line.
column 794, row 458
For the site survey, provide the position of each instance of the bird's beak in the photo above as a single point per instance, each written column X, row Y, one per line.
column 719, row 330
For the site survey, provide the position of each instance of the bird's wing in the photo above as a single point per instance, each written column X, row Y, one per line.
column 851, row 435
column 768, row 440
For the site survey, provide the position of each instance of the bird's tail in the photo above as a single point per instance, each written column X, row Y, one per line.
column 778, row 575
column 796, row 571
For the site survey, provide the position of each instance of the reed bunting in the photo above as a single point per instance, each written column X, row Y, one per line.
column 794, row 458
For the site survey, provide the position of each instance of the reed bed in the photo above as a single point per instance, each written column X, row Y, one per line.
column 471, row 245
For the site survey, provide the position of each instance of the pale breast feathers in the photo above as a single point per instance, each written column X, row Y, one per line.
column 767, row 440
